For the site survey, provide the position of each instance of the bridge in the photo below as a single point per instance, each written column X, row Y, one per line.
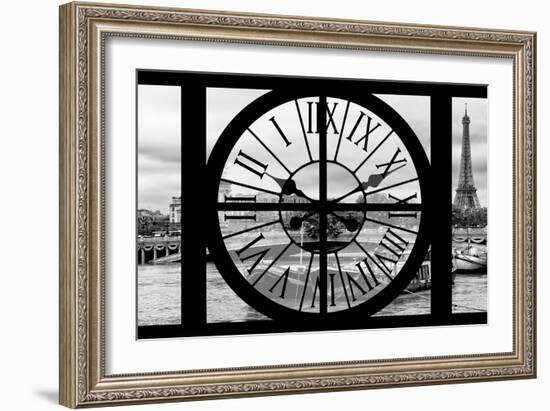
column 475, row 234
column 163, row 250
column 158, row 250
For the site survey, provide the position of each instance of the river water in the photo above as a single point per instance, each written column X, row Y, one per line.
column 159, row 292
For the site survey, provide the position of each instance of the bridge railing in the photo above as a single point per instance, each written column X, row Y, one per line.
column 151, row 249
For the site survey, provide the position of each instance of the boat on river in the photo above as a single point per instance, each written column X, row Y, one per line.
column 471, row 259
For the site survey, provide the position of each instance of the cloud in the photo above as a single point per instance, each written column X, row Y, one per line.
column 159, row 138
column 159, row 146
column 415, row 110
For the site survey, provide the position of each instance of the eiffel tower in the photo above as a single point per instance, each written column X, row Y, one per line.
column 466, row 193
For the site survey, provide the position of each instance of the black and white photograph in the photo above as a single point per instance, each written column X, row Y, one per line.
column 278, row 204
column 470, row 204
column 271, row 200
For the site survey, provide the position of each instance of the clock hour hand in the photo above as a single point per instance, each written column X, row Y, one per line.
column 296, row 222
column 288, row 186
column 350, row 223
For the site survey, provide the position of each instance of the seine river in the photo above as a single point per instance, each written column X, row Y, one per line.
column 159, row 297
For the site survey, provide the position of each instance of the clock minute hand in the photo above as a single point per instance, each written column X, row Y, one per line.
column 373, row 181
column 350, row 223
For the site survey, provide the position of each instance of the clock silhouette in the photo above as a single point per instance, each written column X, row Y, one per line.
column 320, row 204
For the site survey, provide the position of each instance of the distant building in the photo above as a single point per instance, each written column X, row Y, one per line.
column 224, row 191
column 266, row 198
column 293, row 198
column 175, row 210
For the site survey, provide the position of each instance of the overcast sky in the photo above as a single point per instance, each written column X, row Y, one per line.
column 226, row 103
column 159, row 147
column 159, row 142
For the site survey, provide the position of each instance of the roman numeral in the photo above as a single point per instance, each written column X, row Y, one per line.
column 332, row 296
column 306, row 282
column 368, row 132
column 317, row 287
column 283, row 136
column 351, row 283
column 356, row 286
column 239, row 215
column 312, row 117
column 258, row 255
column 393, row 243
column 330, row 122
column 243, row 199
column 251, row 164
column 273, row 262
column 402, row 201
column 394, row 160
column 284, row 278
column 371, row 274
column 342, row 280
column 379, row 260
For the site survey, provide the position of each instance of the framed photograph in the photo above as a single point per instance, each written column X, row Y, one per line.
column 258, row 204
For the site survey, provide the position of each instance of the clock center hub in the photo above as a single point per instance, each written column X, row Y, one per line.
column 341, row 225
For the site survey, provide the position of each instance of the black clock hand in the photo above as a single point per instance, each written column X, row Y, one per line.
column 288, row 187
column 296, row 222
column 373, row 181
column 350, row 223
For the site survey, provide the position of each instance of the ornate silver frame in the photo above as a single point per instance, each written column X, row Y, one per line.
column 83, row 30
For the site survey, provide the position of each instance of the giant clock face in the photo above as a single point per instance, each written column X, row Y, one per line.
column 319, row 211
